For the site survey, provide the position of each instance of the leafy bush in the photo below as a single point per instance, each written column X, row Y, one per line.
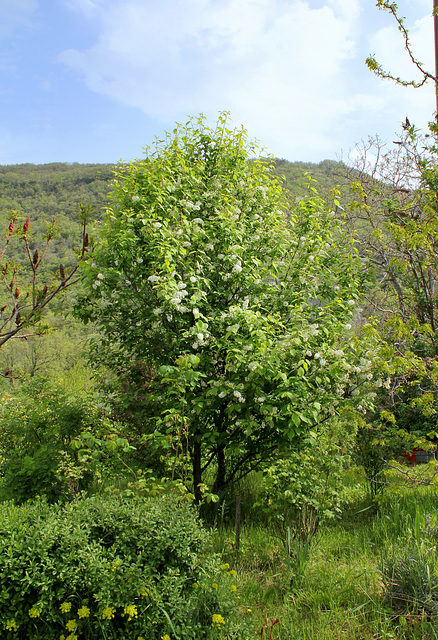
column 303, row 489
column 52, row 443
column 111, row 568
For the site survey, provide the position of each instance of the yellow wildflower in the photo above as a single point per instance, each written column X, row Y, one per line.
column 215, row 585
column 108, row 613
column 217, row 619
column 225, row 566
column 144, row 592
column 83, row 612
column 233, row 587
column 34, row 612
column 71, row 625
column 233, row 572
column 65, row 607
column 165, row 637
column 11, row 625
column 131, row 611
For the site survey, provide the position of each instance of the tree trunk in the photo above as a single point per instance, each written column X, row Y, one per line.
column 220, row 481
column 197, row 471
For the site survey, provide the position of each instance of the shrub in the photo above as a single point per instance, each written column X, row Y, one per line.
column 110, row 568
column 52, row 443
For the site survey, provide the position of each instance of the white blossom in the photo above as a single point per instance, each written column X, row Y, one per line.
column 351, row 302
column 198, row 220
column 192, row 279
column 154, row 278
column 157, row 311
column 135, row 198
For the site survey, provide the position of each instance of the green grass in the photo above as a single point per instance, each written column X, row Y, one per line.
column 340, row 592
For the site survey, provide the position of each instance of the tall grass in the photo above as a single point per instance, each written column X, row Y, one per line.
column 341, row 589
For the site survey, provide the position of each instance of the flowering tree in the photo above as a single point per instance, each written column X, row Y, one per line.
column 232, row 310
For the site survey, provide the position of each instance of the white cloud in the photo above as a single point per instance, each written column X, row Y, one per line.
column 270, row 62
column 286, row 69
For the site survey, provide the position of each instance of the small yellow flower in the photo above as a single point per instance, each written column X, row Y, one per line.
column 115, row 565
column 62, row 637
column 131, row 611
column 233, row 572
column 140, row 638
column 65, row 607
column 225, row 566
column 144, row 592
column 217, row 619
column 71, row 625
column 108, row 613
column 83, row 612
column 11, row 625
column 215, row 585
column 165, row 637
column 233, row 587
column 71, row 637
column 34, row 612
column 249, row 610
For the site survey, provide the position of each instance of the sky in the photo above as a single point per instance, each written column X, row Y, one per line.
column 97, row 81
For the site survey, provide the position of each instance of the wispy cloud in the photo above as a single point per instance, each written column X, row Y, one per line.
column 275, row 64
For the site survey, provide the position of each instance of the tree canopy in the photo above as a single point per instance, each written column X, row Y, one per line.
column 234, row 310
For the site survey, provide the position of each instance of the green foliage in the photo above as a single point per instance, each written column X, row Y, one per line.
column 395, row 204
column 111, row 568
column 236, row 309
column 53, row 443
column 304, row 490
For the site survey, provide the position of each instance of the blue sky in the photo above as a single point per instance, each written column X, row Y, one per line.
column 97, row 80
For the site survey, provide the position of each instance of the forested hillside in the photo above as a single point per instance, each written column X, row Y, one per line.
column 56, row 190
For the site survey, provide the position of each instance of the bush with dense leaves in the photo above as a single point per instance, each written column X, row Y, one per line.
column 113, row 568
column 53, row 443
